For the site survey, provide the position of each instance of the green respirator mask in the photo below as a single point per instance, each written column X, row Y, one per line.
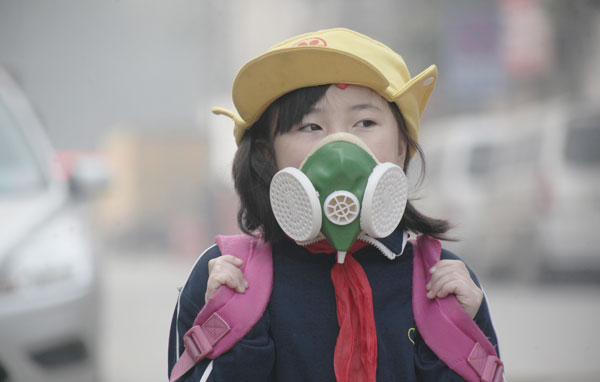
column 340, row 191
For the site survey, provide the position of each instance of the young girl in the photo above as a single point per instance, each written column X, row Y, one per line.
column 328, row 86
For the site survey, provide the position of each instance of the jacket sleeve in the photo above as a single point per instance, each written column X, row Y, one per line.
column 251, row 359
column 428, row 366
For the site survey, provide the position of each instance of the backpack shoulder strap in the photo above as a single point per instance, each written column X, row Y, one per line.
column 228, row 316
column 446, row 327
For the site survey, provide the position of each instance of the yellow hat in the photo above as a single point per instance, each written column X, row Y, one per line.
column 328, row 57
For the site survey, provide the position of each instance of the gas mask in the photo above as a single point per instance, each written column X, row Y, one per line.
column 339, row 191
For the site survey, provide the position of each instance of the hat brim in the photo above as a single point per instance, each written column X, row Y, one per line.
column 261, row 81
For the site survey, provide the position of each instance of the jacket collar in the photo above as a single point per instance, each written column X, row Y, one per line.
column 391, row 246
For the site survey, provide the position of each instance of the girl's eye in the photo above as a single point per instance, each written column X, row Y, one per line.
column 365, row 123
column 310, row 127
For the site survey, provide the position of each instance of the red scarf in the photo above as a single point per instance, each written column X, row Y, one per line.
column 355, row 356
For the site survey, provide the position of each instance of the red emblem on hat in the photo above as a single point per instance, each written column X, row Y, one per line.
column 312, row 41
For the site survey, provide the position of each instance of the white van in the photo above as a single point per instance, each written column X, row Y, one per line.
column 459, row 153
column 522, row 188
column 569, row 213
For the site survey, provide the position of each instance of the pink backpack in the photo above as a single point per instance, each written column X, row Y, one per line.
column 444, row 325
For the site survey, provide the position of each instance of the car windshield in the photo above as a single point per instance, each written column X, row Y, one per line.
column 582, row 143
column 19, row 171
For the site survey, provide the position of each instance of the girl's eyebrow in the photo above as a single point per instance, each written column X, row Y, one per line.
column 363, row 106
column 357, row 107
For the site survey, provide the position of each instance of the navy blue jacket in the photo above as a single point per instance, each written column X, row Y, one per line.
column 295, row 338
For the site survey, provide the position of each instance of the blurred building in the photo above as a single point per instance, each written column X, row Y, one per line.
column 160, row 194
column 90, row 65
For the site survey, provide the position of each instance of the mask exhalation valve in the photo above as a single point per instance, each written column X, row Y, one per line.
column 341, row 207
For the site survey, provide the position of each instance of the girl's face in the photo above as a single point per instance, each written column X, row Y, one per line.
column 356, row 110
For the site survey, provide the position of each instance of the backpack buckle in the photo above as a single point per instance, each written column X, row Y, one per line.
column 197, row 344
column 493, row 370
column 489, row 367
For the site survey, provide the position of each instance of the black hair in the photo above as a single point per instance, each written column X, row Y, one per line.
column 254, row 166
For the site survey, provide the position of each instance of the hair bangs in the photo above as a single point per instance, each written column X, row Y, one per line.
column 293, row 106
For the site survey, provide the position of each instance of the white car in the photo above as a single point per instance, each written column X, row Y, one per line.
column 48, row 271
